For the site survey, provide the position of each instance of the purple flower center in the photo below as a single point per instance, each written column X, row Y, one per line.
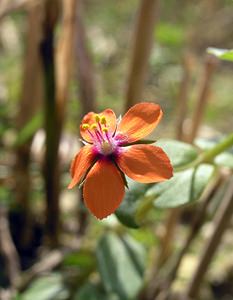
column 105, row 141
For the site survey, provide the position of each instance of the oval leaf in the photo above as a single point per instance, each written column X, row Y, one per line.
column 179, row 153
column 184, row 187
column 46, row 288
column 120, row 266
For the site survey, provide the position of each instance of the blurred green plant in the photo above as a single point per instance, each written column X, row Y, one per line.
column 223, row 54
column 171, row 35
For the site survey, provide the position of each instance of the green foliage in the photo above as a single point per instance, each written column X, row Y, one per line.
column 223, row 54
column 89, row 291
column 4, row 195
column 169, row 34
column 29, row 129
column 134, row 194
column 185, row 187
column 48, row 287
column 121, row 264
column 79, row 259
column 179, row 153
column 224, row 159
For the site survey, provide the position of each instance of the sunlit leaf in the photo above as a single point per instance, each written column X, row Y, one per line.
column 224, row 54
column 224, row 159
column 120, row 265
column 179, row 153
column 183, row 188
column 49, row 287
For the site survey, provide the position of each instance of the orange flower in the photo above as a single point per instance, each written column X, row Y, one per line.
column 110, row 152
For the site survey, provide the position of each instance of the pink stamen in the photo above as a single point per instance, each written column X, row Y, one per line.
column 99, row 136
column 107, row 136
column 90, row 134
column 100, row 128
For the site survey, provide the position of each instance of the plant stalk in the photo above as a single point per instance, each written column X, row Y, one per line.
column 221, row 221
column 209, row 155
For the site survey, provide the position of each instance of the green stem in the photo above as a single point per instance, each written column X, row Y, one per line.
column 209, row 155
column 145, row 206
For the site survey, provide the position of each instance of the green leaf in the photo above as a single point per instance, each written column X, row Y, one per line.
column 126, row 212
column 89, row 291
column 170, row 34
column 29, row 129
column 183, row 188
column 120, row 265
column 179, row 153
column 137, row 253
column 5, row 195
column 17, row 297
column 224, row 54
column 224, row 159
column 80, row 259
column 49, row 287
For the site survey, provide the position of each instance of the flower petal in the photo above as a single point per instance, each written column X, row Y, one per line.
column 80, row 164
column 145, row 163
column 103, row 189
column 90, row 119
column 139, row 121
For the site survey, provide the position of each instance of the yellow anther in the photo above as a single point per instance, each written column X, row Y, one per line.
column 97, row 118
column 105, row 129
column 93, row 126
column 85, row 126
column 103, row 120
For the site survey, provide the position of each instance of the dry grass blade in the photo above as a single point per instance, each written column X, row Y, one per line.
column 143, row 40
column 221, row 222
column 8, row 250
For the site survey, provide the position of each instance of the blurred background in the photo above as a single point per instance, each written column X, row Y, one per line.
column 60, row 59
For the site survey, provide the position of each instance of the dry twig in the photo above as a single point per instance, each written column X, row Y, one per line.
column 162, row 279
column 209, row 68
column 52, row 126
column 46, row 264
column 221, row 222
column 64, row 55
column 182, row 103
column 85, row 67
column 28, row 104
column 143, row 40
column 8, row 250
